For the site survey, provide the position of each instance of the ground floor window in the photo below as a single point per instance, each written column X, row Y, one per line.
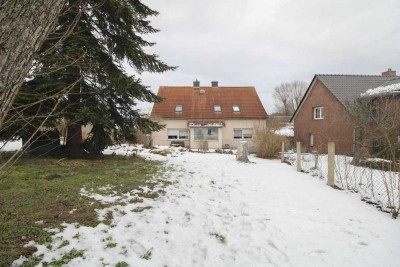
column 242, row 133
column 205, row 134
column 178, row 134
column 311, row 139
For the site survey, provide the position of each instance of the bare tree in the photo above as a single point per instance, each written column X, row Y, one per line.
column 288, row 96
column 377, row 122
column 24, row 25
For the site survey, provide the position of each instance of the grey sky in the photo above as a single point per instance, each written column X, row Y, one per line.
column 264, row 43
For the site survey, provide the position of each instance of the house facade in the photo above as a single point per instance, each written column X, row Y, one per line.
column 211, row 117
column 323, row 114
column 382, row 127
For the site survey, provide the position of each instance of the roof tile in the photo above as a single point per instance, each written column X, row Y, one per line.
column 201, row 106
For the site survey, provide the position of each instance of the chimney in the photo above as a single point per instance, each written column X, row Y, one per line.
column 196, row 84
column 214, row 84
column 389, row 73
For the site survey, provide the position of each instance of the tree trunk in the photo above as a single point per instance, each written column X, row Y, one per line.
column 24, row 25
column 74, row 144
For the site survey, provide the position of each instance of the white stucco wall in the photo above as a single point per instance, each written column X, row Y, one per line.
column 161, row 137
column 225, row 134
column 230, row 125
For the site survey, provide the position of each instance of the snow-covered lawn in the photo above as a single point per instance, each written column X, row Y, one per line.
column 219, row 212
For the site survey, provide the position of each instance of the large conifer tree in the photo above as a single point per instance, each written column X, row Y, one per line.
column 89, row 62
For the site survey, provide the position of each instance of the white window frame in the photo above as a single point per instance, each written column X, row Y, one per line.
column 236, row 108
column 243, row 132
column 208, row 136
column 178, row 133
column 178, row 108
column 318, row 115
column 217, row 108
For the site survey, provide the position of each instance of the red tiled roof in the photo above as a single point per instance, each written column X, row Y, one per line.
column 201, row 106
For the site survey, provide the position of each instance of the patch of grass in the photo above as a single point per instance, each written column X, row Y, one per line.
column 136, row 200
column 151, row 195
column 219, row 237
column 111, row 245
column 147, row 255
column 121, row 264
column 65, row 259
column 140, row 209
column 47, row 189
column 64, row 243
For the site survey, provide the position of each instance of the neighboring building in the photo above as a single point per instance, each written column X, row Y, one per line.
column 322, row 115
column 382, row 129
column 207, row 116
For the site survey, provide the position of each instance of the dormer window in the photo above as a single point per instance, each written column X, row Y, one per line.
column 178, row 108
column 217, row 108
column 235, row 108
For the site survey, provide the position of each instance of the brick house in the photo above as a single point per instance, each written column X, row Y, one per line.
column 322, row 115
column 217, row 116
column 382, row 126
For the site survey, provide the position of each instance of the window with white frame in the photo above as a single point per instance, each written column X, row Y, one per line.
column 236, row 108
column 178, row 108
column 217, row 108
column 318, row 113
column 242, row 134
column 205, row 134
column 178, row 134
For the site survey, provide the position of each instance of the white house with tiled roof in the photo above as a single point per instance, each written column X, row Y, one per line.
column 218, row 117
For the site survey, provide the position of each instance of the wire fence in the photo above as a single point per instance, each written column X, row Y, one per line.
column 376, row 180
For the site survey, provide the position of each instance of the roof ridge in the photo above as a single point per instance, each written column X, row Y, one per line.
column 362, row 75
column 191, row 86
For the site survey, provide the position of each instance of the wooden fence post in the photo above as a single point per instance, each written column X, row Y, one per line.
column 298, row 158
column 283, row 152
column 331, row 164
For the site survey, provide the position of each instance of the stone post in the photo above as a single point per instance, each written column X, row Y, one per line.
column 242, row 152
column 298, row 158
column 283, row 152
column 331, row 164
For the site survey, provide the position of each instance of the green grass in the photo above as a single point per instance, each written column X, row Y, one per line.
column 219, row 237
column 47, row 189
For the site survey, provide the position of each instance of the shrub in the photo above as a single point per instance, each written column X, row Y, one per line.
column 268, row 144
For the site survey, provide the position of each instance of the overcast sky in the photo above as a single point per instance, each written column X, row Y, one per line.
column 264, row 43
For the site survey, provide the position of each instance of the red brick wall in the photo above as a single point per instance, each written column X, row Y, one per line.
column 335, row 127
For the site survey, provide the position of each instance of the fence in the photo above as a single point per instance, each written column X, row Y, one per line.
column 376, row 180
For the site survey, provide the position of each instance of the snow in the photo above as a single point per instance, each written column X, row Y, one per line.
column 221, row 212
column 11, row 145
column 382, row 90
column 287, row 130
column 373, row 185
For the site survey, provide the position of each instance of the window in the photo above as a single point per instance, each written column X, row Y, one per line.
column 318, row 113
column 377, row 143
column 178, row 108
column 205, row 134
column 217, row 108
column 235, row 108
column 311, row 140
column 242, row 133
column 178, row 134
